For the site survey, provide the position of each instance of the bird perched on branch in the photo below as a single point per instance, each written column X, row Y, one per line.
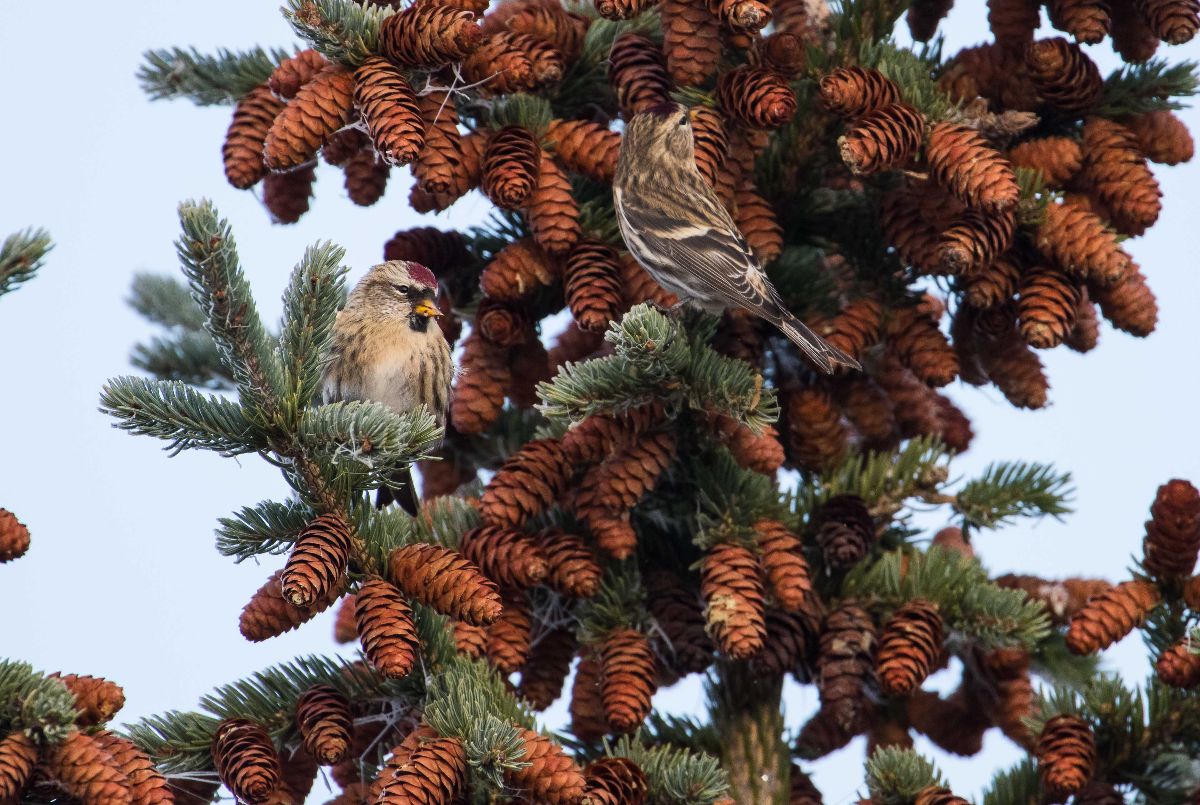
column 678, row 230
column 387, row 348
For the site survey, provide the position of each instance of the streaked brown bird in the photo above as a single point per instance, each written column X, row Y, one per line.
column 388, row 349
column 678, row 230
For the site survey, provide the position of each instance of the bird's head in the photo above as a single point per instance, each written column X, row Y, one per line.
column 399, row 289
column 661, row 133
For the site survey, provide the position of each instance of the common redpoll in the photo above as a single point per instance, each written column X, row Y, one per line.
column 387, row 349
column 678, row 230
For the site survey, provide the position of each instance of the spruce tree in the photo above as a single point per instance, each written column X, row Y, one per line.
column 644, row 496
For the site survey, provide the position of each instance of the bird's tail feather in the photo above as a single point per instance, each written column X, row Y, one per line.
column 821, row 352
column 399, row 489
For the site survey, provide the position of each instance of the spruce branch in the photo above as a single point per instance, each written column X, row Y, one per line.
column 1148, row 87
column 206, row 80
column 170, row 410
column 896, row 775
column 268, row 527
column 21, row 256
column 676, row 776
column 363, row 442
column 343, row 30
column 620, row 602
column 165, row 301
column 912, row 73
column 310, row 305
column 42, row 707
column 1008, row 490
column 188, row 356
column 1017, row 785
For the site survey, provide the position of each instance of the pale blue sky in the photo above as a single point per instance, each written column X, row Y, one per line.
column 123, row 579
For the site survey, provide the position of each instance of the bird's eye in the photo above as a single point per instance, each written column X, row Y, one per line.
column 683, row 121
column 403, row 289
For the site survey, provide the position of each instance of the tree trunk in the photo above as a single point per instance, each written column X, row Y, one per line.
column 747, row 712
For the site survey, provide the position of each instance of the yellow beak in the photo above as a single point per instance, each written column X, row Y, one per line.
column 427, row 309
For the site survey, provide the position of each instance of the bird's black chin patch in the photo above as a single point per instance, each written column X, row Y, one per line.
column 418, row 322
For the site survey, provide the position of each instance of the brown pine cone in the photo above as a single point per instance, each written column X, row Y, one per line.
column 914, row 404
column 479, row 388
column 321, row 107
column 731, row 584
column 552, row 210
column 1057, row 158
column 385, row 628
column 954, row 427
column 1161, row 136
column 781, row 52
column 711, row 142
column 1016, row 370
column 1116, row 172
column 975, row 240
column 592, row 285
column 1131, row 36
column 869, row 409
column 740, row 335
column 435, row 772
column 516, row 270
column 961, row 161
column 470, row 640
column 851, row 92
column 585, row 147
column 1078, row 242
column 1063, row 75
column 499, row 66
column 1173, row 530
column 549, row 21
column 936, row 795
column 441, row 578
column 586, row 707
column 1062, row 599
column 324, row 720
column 755, row 219
column 802, row 791
column 1179, row 666
column 824, row 733
column 147, row 786
column 741, row 16
column 441, row 252
column 294, row 72
column 755, row 97
column 784, row 565
column 993, row 285
column 1129, row 305
column 1172, row 21
column 638, row 286
column 269, row 614
column 390, row 110
column 366, row 177
column 245, row 759
column 626, row 678
column 511, row 558
column 1013, row 22
column 844, row 666
column 992, row 72
column 530, row 366
column 790, row 641
column 817, row 439
column 1110, row 615
column 1066, row 755
column 86, row 772
column 620, row 9
column 429, row 35
column 955, row 724
column 510, row 637
column 1086, row 20
column 501, row 323
column 844, row 529
column 883, row 139
column 620, row 482
column 546, row 669
column 1046, row 307
column 1085, row 333
column 857, row 327
column 243, row 149
column 909, row 647
column 314, row 569
column 691, row 42
column 905, row 227
column 923, row 17
column 638, row 72
column 97, row 699
column 572, row 569
column 286, row 195
column 551, row 776
column 615, row 781
column 600, row 435
column 18, row 754
column 528, row 482
column 510, row 166
column 442, row 168
column 921, row 346
column 682, row 642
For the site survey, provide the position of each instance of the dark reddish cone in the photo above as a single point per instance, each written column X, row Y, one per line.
column 844, row 529
column 964, row 163
column 1013, row 22
column 294, row 72
column 756, row 97
column 499, row 66
column 905, row 227
column 502, row 323
column 343, row 145
column 510, row 166
column 366, row 177
column 731, row 585
column 638, row 73
column 1179, row 665
column 1085, row 332
column 974, row 240
column 245, row 759
column 565, row 30
column 922, row 347
column 743, row 16
column 1129, row 305
column 851, row 92
column 955, row 724
column 147, row 786
column 269, row 614
column 300, row 771
column 681, row 640
column 883, row 139
column 638, row 286
column 600, row 435
column 844, row 666
column 1063, row 75
column 243, row 149
column 913, row 403
column 1173, row 530
column 783, row 562
column 1116, row 173
column 385, row 628
column 321, row 107
column 286, row 195
column 478, row 394
column 617, row 484
column 429, row 35
column 620, row 9
column 936, row 795
column 857, row 327
column 790, row 642
column 345, row 629
column 993, row 285
column 1085, row 20
column 1110, row 615
column 434, row 772
column 572, row 569
column 398, row 760
column 615, row 781
column 869, row 409
column 546, row 668
column 510, row 637
column 18, row 754
column 923, row 17
column 1161, row 136
column 440, row 166
column 526, row 484
column 909, row 647
column 802, row 791
column 552, row 211
column 822, row 734
column 442, row 252
column 954, row 427
column 1172, row 21
column 323, row 718
column 1066, row 755
column 441, row 578
column 585, row 147
column 691, row 41
column 952, row 538
column 626, row 678
column 470, row 640
column 96, row 698
column 755, row 219
column 1017, row 371
column 551, row 776
column 887, row 731
column 388, row 105
column 593, row 285
column 508, row 557
column 761, row 452
column 1047, row 306
column 314, row 569
column 817, row 439
column 587, row 707
column 194, row 792
column 1058, row 158
column 516, row 270
column 86, row 772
